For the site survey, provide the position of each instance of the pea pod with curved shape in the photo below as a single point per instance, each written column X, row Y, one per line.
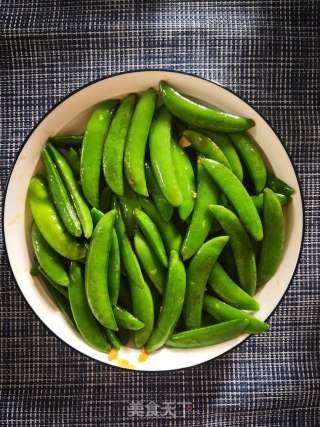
column 126, row 320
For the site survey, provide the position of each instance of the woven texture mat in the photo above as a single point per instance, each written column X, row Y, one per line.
column 266, row 51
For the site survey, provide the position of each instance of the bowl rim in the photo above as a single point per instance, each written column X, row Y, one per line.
column 106, row 77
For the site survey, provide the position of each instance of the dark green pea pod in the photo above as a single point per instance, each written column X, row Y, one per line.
column 161, row 203
column 124, row 298
column 126, row 320
column 87, row 324
column 229, row 291
column 208, row 335
column 49, row 223
column 195, row 114
column 201, row 219
column 197, row 276
column 92, row 149
column 172, row 303
column 60, row 196
column 74, row 161
column 128, row 203
column 278, row 186
column 48, row 258
column 66, row 141
column 225, row 312
column 113, row 338
column 61, row 289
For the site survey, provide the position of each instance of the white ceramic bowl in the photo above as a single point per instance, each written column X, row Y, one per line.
column 69, row 117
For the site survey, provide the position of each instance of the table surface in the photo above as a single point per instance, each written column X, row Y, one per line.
column 266, row 51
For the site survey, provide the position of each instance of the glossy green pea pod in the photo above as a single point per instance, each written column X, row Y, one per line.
column 161, row 157
column 113, row 151
column 86, row 322
column 237, row 196
column 201, row 219
column 155, row 271
column 49, row 223
column 49, row 259
column 136, row 142
column 168, row 229
column 92, row 149
column 258, row 200
column 74, row 160
column 164, row 207
column 204, row 145
column 278, row 186
column 224, row 312
column 126, row 320
column 208, row 335
column 273, row 242
column 241, row 247
column 75, row 193
column 220, row 282
column 113, row 338
column 60, row 196
column 197, row 276
column 194, row 114
column 128, row 203
column 96, row 271
column 186, row 180
column 152, row 234
column 252, row 158
column 66, row 141
column 114, row 270
column 172, row 303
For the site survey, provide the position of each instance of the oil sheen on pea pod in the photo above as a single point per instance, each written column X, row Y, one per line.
column 136, row 141
column 113, row 151
column 86, row 322
column 241, row 247
column 186, row 180
column 273, row 242
column 96, row 271
column 161, row 157
column 49, row 223
column 250, row 155
column 92, row 149
column 198, row 115
column 49, row 259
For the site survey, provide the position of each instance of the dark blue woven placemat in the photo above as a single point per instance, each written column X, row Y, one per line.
column 268, row 52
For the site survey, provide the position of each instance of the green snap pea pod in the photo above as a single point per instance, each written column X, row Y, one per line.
column 92, row 149
column 224, row 312
column 237, row 195
column 128, row 257
column 60, row 196
column 228, row 290
column 34, row 270
column 201, row 219
column 273, row 241
column 241, row 247
column 161, row 157
column 197, row 276
column 164, row 207
column 128, row 203
column 77, row 198
column 194, row 114
column 62, row 302
column 113, row 338
column 137, row 140
column 49, row 223
column 126, row 320
column 66, row 141
column 252, row 158
column 155, row 271
column 61, row 289
column 113, row 151
column 86, row 322
column 48, row 258
column 225, row 145
column 74, row 160
column 105, row 199
column 114, row 268
column 152, row 234
column 258, row 200
column 96, row 271
column 204, row 145
column 172, row 303
column 186, row 180
column 208, row 335
column 278, row 186
column 96, row 215
column 168, row 229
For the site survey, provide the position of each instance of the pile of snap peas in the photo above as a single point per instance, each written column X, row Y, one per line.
column 157, row 225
